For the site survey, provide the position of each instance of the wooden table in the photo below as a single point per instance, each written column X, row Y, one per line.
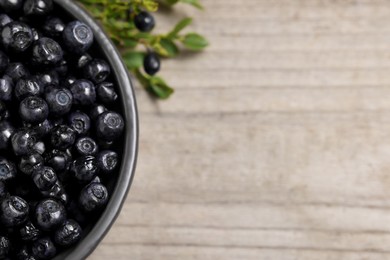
column 276, row 144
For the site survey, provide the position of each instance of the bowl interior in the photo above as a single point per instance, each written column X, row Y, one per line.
column 120, row 184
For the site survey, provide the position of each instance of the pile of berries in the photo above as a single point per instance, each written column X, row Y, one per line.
column 59, row 126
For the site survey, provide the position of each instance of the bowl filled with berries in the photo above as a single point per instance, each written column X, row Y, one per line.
column 68, row 131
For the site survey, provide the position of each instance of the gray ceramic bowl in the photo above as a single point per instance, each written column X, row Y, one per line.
column 121, row 185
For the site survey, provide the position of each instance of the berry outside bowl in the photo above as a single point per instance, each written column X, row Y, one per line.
column 119, row 186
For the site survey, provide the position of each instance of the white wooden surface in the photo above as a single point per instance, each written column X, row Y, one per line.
column 276, row 144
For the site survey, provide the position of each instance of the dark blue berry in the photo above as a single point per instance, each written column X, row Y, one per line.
column 47, row 52
column 4, row 19
column 3, row 190
column 5, row 247
column 68, row 233
column 62, row 137
column 144, row 21
column 44, row 178
column 40, row 147
column 23, row 253
column 29, row 232
column 85, row 168
column 13, row 211
column 7, row 169
column 106, row 92
column 37, row 7
column 97, row 70
column 17, row 71
column 43, row 248
column 23, row 142
column 80, row 122
column 151, row 63
column 109, row 126
column 54, row 26
column 86, row 146
column 29, row 163
column 93, row 196
column 83, row 60
column 62, row 68
column 57, row 192
column 78, row 37
column 4, row 62
column 43, row 129
column 107, row 161
column 36, row 34
column 77, row 213
column 103, row 144
column 58, row 160
column 6, row 88
column 50, row 78
column 60, row 101
column 30, row 86
column 96, row 180
column 96, row 111
column 58, row 121
column 16, row 36
column 33, row 110
column 6, row 132
column 49, row 214
column 4, row 112
column 83, row 92
column 11, row 5
column 68, row 81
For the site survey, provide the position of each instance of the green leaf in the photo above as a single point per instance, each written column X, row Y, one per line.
column 150, row 5
column 130, row 43
column 142, row 35
column 143, row 79
column 179, row 27
column 120, row 25
column 95, row 11
column 134, row 60
column 169, row 47
column 160, row 50
column 195, row 3
column 159, row 87
column 194, row 41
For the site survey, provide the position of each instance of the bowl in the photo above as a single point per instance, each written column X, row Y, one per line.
column 120, row 186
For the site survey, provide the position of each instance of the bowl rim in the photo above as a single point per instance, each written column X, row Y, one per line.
column 87, row 245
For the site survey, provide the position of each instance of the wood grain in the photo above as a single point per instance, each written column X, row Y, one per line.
column 276, row 144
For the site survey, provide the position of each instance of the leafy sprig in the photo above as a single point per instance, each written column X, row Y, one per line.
column 117, row 18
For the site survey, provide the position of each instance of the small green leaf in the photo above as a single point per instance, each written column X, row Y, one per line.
column 159, row 87
column 143, row 79
column 130, row 43
column 150, row 5
column 194, row 3
column 119, row 25
column 95, row 12
column 134, row 60
column 194, row 41
column 142, row 35
column 160, row 50
column 179, row 26
column 170, row 48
